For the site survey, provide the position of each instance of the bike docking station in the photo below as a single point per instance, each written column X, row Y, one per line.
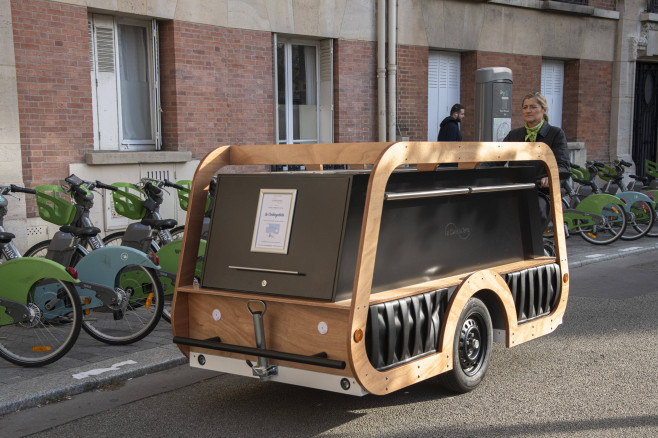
column 371, row 279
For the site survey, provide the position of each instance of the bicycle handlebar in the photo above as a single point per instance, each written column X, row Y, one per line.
column 15, row 188
column 106, row 186
column 163, row 183
column 174, row 185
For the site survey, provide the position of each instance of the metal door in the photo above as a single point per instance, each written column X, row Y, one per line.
column 645, row 113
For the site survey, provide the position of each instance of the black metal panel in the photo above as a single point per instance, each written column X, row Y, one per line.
column 535, row 291
column 645, row 112
column 420, row 239
column 430, row 238
column 401, row 330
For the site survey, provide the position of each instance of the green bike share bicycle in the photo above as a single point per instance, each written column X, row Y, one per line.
column 40, row 311
column 121, row 294
column 152, row 234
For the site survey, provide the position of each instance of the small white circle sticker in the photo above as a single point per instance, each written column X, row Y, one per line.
column 124, row 256
column 216, row 315
column 323, row 328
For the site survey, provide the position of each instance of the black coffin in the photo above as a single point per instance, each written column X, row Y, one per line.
column 421, row 238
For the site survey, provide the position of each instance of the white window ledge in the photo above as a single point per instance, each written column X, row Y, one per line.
column 105, row 158
column 562, row 7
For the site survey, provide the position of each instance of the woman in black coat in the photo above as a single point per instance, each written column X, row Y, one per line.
column 537, row 129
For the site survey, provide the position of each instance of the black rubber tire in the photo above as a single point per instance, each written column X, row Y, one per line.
column 642, row 223
column 610, row 232
column 41, row 250
column 38, row 250
column 113, row 239
column 653, row 232
column 471, row 351
column 115, row 327
column 177, row 232
column 44, row 339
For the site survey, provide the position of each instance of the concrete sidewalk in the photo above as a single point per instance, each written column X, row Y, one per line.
column 91, row 364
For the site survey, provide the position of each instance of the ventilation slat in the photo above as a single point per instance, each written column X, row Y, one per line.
column 401, row 330
column 105, row 49
column 534, row 291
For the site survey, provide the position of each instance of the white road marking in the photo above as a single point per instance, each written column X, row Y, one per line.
column 102, row 370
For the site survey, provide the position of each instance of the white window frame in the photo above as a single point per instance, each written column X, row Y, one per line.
column 444, row 88
column 323, row 89
column 106, row 102
column 552, row 87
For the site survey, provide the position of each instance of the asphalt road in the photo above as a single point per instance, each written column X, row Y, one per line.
column 594, row 377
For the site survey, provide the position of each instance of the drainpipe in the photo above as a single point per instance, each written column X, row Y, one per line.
column 381, row 69
column 392, row 69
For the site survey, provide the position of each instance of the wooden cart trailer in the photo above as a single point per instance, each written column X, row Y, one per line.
column 367, row 281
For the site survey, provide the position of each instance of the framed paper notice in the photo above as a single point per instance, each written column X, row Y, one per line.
column 276, row 208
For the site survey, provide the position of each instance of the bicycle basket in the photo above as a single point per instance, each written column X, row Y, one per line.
column 55, row 205
column 128, row 201
column 184, row 195
column 607, row 169
column 581, row 174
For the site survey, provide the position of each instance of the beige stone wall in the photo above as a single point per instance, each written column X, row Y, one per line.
column 518, row 28
column 10, row 136
column 346, row 19
column 509, row 26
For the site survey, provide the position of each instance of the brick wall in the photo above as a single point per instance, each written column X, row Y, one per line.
column 587, row 105
column 54, row 88
column 355, row 91
column 217, row 87
column 526, row 74
column 412, row 92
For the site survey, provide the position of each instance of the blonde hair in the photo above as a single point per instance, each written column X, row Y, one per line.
column 541, row 100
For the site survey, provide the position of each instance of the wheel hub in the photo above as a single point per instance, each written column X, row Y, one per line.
column 470, row 343
column 34, row 318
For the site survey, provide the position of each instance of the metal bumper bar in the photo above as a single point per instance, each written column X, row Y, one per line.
column 218, row 345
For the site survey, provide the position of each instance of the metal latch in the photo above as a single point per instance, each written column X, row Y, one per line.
column 262, row 370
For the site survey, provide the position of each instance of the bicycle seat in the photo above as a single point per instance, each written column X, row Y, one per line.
column 6, row 237
column 160, row 224
column 80, row 231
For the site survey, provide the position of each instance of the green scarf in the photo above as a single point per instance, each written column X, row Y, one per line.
column 531, row 133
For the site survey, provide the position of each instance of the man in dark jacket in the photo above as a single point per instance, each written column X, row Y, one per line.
column 450, row 125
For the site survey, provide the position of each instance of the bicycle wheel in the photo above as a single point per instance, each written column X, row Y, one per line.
column 113, row 239
column 642, row 222
column 613, row 226
column 48, row 331
column 132, row 319
column 177, row 232
column 38, row 250
column 653, row 231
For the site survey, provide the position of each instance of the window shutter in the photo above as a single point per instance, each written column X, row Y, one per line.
column 326, row 106
column 105, row 83
column 552, row 87
column 443, row 88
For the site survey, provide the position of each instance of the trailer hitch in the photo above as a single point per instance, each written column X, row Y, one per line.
column 262, row 369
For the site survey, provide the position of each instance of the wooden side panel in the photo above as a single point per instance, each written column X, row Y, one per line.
column 289, row 328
